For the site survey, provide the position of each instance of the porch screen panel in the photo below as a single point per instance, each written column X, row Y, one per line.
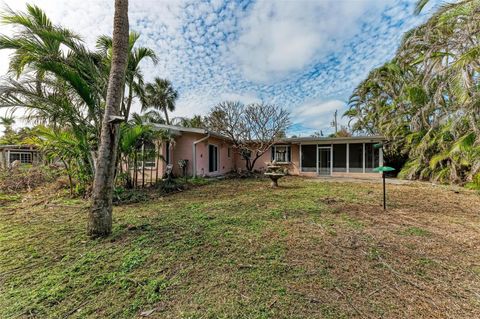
column 372, row 157
column 339, row 157
column 356, row 158
column 309, row 158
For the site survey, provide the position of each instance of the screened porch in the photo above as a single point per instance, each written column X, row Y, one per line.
column 329, row 159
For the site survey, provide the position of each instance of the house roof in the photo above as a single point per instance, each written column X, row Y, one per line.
column 26, row 147
column 176, row 130
column 333, row 140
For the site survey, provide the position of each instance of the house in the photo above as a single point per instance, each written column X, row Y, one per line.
column 24, row 154
column 212, row 154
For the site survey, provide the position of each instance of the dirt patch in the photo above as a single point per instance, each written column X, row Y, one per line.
column 416, row 260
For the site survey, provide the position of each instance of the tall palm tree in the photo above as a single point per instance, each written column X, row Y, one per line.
column 160, row 95
column 134, row 77
column 100, row 216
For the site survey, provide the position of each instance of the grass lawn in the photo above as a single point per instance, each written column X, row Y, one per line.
column 238, row 249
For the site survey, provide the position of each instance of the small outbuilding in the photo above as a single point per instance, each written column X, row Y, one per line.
column 22, row 154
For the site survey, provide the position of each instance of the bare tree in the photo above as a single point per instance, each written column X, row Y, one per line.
column 253, row 128
column 100, row 217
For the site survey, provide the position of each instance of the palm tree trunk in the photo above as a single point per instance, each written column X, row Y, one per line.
column 167, row 120
column 100, row 216
column 129, row 102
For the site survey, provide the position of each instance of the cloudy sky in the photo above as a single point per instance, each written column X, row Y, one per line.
column 306, row 56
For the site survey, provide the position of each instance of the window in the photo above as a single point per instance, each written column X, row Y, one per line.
column 23, row 157
column 281, row 153
column 229, row 152
column 149, row 155
column 212, row 158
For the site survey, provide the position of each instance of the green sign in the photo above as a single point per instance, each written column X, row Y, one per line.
column 383, row 169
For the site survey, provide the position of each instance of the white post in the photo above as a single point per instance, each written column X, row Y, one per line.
column 331, row 159
column 317, row 157
column 380, row 156
column 363, row 157
column 348, row 157
column 300, row 157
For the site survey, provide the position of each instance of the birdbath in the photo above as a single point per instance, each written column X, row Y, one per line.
column 274, row 172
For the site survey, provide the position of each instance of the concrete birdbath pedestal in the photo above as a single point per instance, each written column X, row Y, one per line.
column 274, row 172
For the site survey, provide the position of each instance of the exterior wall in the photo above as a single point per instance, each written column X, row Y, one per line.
column 261, row 164
column 5, row 153
column 183, row 149
column 3, row 160
column 225, row 164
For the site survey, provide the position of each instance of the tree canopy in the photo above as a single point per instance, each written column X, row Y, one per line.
column 426, row 100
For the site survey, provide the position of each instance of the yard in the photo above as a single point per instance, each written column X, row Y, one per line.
column 238, row 249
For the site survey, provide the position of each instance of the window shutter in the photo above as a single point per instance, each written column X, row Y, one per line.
column 289, row 154
column 272, row 148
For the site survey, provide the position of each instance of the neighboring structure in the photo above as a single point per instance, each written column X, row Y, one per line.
column 24, row 154
column 211, row 154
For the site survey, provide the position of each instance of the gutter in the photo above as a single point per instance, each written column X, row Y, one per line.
column 194, row 173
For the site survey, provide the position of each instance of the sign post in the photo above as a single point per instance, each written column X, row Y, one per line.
column 384, row 169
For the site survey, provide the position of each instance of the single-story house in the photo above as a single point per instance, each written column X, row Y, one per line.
column 24, row 154
column 212, row 154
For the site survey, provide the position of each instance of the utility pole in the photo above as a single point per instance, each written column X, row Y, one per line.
column 335, row 122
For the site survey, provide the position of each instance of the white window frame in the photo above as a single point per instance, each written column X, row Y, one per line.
column 28, row 154
column 288, row 150
column 154, row 167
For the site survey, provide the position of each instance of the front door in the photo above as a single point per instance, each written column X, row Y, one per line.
column 324, row 161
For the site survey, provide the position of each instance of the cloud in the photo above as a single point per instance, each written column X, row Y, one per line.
column 306, row 56
column 279, row 37
column 316, row 115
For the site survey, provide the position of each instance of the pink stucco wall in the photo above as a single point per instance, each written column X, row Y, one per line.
column 225, row 163
column 182, row 148
column 260, row 165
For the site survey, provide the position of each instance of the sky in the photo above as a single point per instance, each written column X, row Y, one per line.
column 304, row 56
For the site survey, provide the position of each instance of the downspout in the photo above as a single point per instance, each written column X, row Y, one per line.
column 194, row 163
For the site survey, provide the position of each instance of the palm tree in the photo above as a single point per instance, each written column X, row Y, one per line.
column 7, row 122
column 160, row 95
column 57, row 87
column 426, row 100
column 134, row 77
column 149, row 117
column 100, row 216
column 64, row 90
